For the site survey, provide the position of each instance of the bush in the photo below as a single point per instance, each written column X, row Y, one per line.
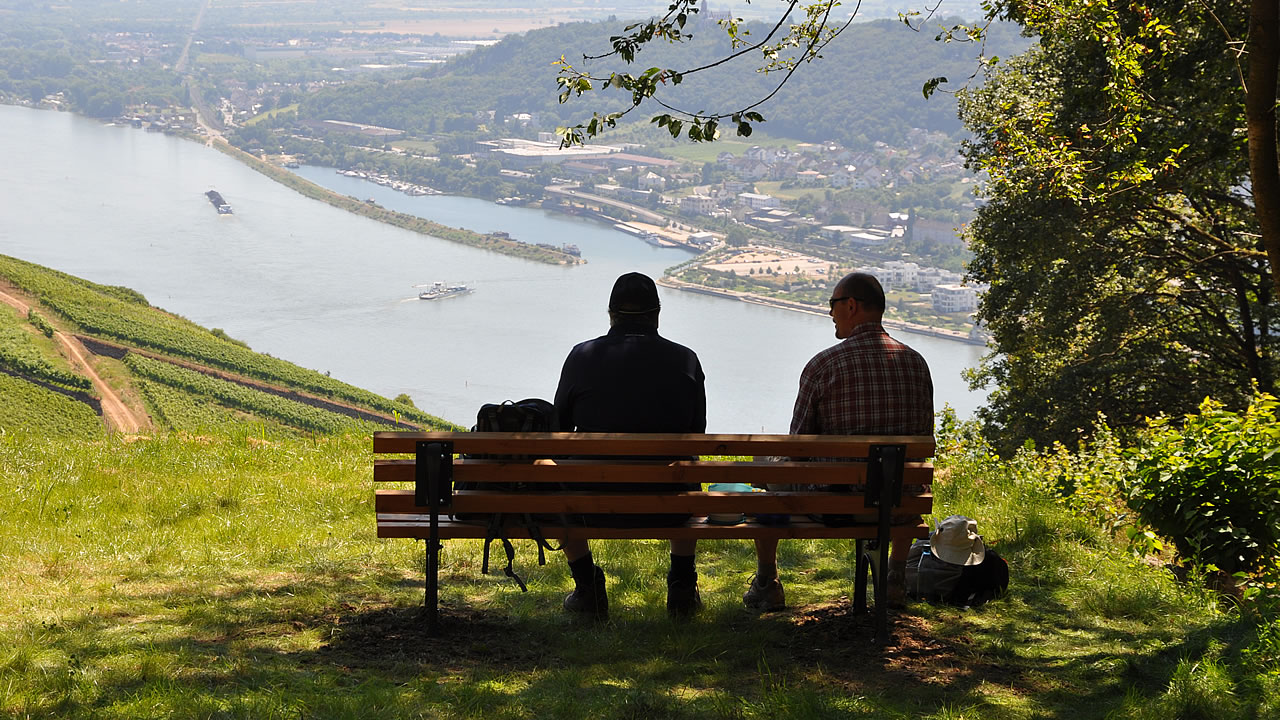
column 1213, row 485
column 38, row 321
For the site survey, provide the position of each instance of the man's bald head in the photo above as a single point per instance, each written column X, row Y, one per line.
column 865, row 288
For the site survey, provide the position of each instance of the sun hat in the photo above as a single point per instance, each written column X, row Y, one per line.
column 956, row 540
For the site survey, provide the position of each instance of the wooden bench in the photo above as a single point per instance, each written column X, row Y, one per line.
column 892, row 476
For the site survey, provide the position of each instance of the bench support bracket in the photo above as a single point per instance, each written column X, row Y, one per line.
column 884, row 489
column 433, row 476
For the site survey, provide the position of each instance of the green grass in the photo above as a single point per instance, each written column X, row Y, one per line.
column 707, row 152
column 236, row 574
column 271, row 113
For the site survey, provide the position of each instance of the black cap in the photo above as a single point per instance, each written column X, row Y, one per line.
column 634, row 293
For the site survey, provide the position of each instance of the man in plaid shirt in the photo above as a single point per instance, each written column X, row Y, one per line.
column 868, row 384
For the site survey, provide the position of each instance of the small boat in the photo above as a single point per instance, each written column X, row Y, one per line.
column 215, row 199
column 440, row 291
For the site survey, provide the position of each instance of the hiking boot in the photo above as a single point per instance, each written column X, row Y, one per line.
column 764, row 596
column 683, row 600
column 589, row 600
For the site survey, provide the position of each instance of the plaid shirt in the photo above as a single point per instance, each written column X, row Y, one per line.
column 868, row 384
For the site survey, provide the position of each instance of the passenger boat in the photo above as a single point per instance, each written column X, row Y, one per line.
column 440, row 291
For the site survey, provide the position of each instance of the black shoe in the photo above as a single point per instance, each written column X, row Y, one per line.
column 683, row 599
column 590, row 600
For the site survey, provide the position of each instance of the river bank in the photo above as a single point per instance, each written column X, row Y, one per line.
column 291, row 180
column 667, row 281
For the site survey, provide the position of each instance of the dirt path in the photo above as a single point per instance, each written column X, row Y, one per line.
column 118, row 416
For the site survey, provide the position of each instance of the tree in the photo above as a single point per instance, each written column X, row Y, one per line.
column 1126, row 272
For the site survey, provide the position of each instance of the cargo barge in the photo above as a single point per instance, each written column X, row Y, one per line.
column 215, row 198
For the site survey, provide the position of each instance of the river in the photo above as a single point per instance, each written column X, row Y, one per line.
column 336, row 292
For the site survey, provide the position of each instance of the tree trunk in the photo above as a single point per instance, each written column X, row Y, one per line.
column 1260, row 114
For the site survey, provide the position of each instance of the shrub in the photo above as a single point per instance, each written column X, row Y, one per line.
column 1213, row 485
column 37, row 320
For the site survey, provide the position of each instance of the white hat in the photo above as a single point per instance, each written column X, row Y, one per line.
column 957, row 541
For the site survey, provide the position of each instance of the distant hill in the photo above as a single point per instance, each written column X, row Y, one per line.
column 77, row 357
column 866, row 88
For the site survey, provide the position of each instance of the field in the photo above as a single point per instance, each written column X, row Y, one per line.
column 235, row 573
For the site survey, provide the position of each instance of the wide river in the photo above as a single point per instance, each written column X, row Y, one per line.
column 332, row 291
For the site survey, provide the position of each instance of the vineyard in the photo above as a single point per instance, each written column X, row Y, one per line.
column 43, row 412
column 231, row 395
column 20, row 354
column 180, row 410
column 124, row 315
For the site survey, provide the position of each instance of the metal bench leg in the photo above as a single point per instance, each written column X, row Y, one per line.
column 433, row 484
column 861, row 567
column 882, row 583
column 432, row 599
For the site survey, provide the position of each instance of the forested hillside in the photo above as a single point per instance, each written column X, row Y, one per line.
column 866, row 89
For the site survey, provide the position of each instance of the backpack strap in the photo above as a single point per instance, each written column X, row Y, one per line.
column 495, row 532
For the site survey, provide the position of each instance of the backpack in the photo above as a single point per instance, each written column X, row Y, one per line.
column 528, row 415
column 935, row 580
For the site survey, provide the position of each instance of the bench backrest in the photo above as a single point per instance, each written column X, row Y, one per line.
column 621, row 458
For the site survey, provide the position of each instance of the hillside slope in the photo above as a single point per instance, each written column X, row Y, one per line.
column 866, row 88
column 77, row 357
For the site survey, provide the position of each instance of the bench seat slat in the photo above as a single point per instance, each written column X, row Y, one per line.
column 918, row 446
column 696, row 503
column 409, row 526
column 704, row 471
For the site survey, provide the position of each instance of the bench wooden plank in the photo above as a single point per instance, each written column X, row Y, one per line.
column 410, row 526
column 684, row 471
column 695, row 503
column 670, row 444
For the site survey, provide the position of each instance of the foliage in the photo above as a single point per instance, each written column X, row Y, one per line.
column 254, row 402
column 1211, row 483
column 1126, row 275
column 38, row 321
column 19, row 354
column 179, row 409
column 29, row 408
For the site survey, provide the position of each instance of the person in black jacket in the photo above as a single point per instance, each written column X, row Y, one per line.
column 632, row 380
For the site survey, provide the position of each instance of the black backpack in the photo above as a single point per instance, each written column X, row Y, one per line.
column 933, row 579
column 528, row 415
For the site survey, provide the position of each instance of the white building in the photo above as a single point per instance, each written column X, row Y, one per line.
column 697, row 204
column 954, row 298
column 898, row 274
column 755, row 201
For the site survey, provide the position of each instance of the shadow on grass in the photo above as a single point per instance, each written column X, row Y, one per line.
column 507, row 654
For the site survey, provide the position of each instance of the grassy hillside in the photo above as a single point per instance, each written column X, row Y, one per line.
column 181, row 375
column 230, row 576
